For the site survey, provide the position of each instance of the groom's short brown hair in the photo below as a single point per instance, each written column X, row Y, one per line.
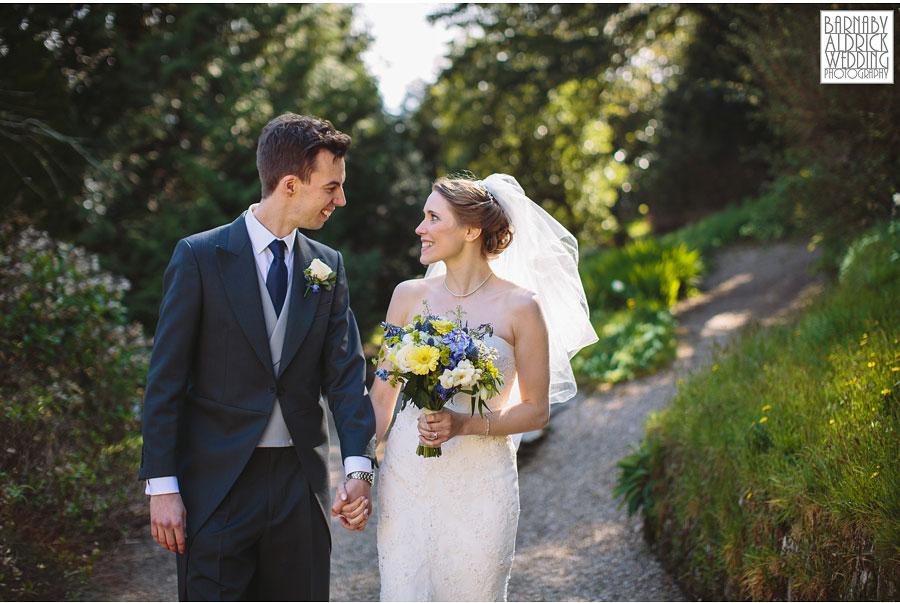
column 289, row 144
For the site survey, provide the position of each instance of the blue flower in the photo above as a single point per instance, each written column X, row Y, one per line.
column 391, row 330
column 382, row 374
column 444, row 394
column 315, row 288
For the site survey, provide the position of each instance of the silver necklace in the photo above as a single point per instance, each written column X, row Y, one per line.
column 450, row 291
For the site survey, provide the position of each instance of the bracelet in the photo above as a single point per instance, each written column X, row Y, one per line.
column 487, row 428
column 363, row 475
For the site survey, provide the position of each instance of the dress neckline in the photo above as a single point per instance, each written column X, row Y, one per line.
column 508, row 344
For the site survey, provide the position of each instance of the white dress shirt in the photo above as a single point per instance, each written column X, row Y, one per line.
column 260, row 239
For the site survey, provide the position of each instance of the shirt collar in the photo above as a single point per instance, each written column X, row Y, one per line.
column 261, row 237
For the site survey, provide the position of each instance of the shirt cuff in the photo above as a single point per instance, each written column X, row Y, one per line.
column 162, row 485
column 357, row 463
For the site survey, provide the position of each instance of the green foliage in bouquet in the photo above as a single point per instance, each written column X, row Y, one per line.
column 71, row 372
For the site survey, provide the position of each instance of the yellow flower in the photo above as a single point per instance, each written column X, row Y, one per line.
column 423, row 359
column 875, row 474
column 871, row 364
column 715, row 367
column 831, row 422
column 764, row 419
column 894, row 369
column 630, row 302
column 442, row 326
column 767, row 407
column 885, row 391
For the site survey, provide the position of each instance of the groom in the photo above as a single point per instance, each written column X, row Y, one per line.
column 235, row 437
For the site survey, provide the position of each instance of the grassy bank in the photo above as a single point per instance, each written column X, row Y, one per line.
column 775, row 473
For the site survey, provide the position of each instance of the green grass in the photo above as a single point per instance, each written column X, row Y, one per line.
column 779, row 466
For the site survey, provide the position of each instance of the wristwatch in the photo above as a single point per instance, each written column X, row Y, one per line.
column 366, row 476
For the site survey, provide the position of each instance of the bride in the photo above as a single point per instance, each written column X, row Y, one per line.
column 447, row 525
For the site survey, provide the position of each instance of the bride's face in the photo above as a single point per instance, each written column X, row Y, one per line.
column 442, row 236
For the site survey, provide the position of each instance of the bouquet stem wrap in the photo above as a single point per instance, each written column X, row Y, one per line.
column 429, row 451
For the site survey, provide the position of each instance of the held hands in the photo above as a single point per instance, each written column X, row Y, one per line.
column 437, row 428
column 168, row 521
column 353, row 504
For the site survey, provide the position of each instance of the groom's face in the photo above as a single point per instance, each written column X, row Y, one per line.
column 314, row 201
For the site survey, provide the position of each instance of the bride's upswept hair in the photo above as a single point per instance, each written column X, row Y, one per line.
column 475, row 207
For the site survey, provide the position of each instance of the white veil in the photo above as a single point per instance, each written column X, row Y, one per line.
column 543, row 258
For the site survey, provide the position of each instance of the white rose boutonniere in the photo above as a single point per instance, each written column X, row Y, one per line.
column 318, row 274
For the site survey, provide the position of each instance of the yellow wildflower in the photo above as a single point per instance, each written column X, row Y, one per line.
column 764, row 419
column 871, row 364
column 894, row 369
column 885, row 391
column 875, row 474
column 630, row 302
column 831, row 422
column 442, row 326
column 715, row 367
column 423, row 359
column 767, row 407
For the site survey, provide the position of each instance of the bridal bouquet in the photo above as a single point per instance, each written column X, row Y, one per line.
column 435, row 358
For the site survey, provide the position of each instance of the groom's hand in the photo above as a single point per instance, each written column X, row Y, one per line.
column 353, row 504
column 168, row 520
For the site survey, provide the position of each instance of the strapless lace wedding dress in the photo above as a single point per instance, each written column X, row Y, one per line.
column 447, row 525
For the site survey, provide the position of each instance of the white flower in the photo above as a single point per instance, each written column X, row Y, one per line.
column 319, row 269
column 618, row 286
column 401, row 359
column 447, row 379
column 465, row 374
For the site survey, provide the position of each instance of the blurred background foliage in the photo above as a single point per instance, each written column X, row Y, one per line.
column 656, row 133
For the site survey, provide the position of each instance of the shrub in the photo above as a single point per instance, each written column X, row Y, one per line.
column 776, row 475
column 764, row 219
column 71, row 371
column 644, row 270
column 633, row 341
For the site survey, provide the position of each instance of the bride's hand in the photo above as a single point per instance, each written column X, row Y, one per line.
column 437, row 428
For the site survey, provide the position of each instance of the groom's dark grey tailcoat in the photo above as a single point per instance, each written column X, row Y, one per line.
column 212, row 386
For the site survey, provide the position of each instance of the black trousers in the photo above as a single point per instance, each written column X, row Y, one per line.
column 267, row 540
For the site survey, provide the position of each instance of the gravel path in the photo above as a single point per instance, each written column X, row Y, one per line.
column 574, row 543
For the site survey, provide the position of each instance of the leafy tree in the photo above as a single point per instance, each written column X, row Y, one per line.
column 713, row 147
column 169, row 101
column 560, row 96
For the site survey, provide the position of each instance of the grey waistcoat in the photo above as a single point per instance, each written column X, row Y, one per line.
column 276, row 434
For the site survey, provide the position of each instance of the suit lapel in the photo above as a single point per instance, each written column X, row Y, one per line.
column 302, row 309
column 237, row 269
